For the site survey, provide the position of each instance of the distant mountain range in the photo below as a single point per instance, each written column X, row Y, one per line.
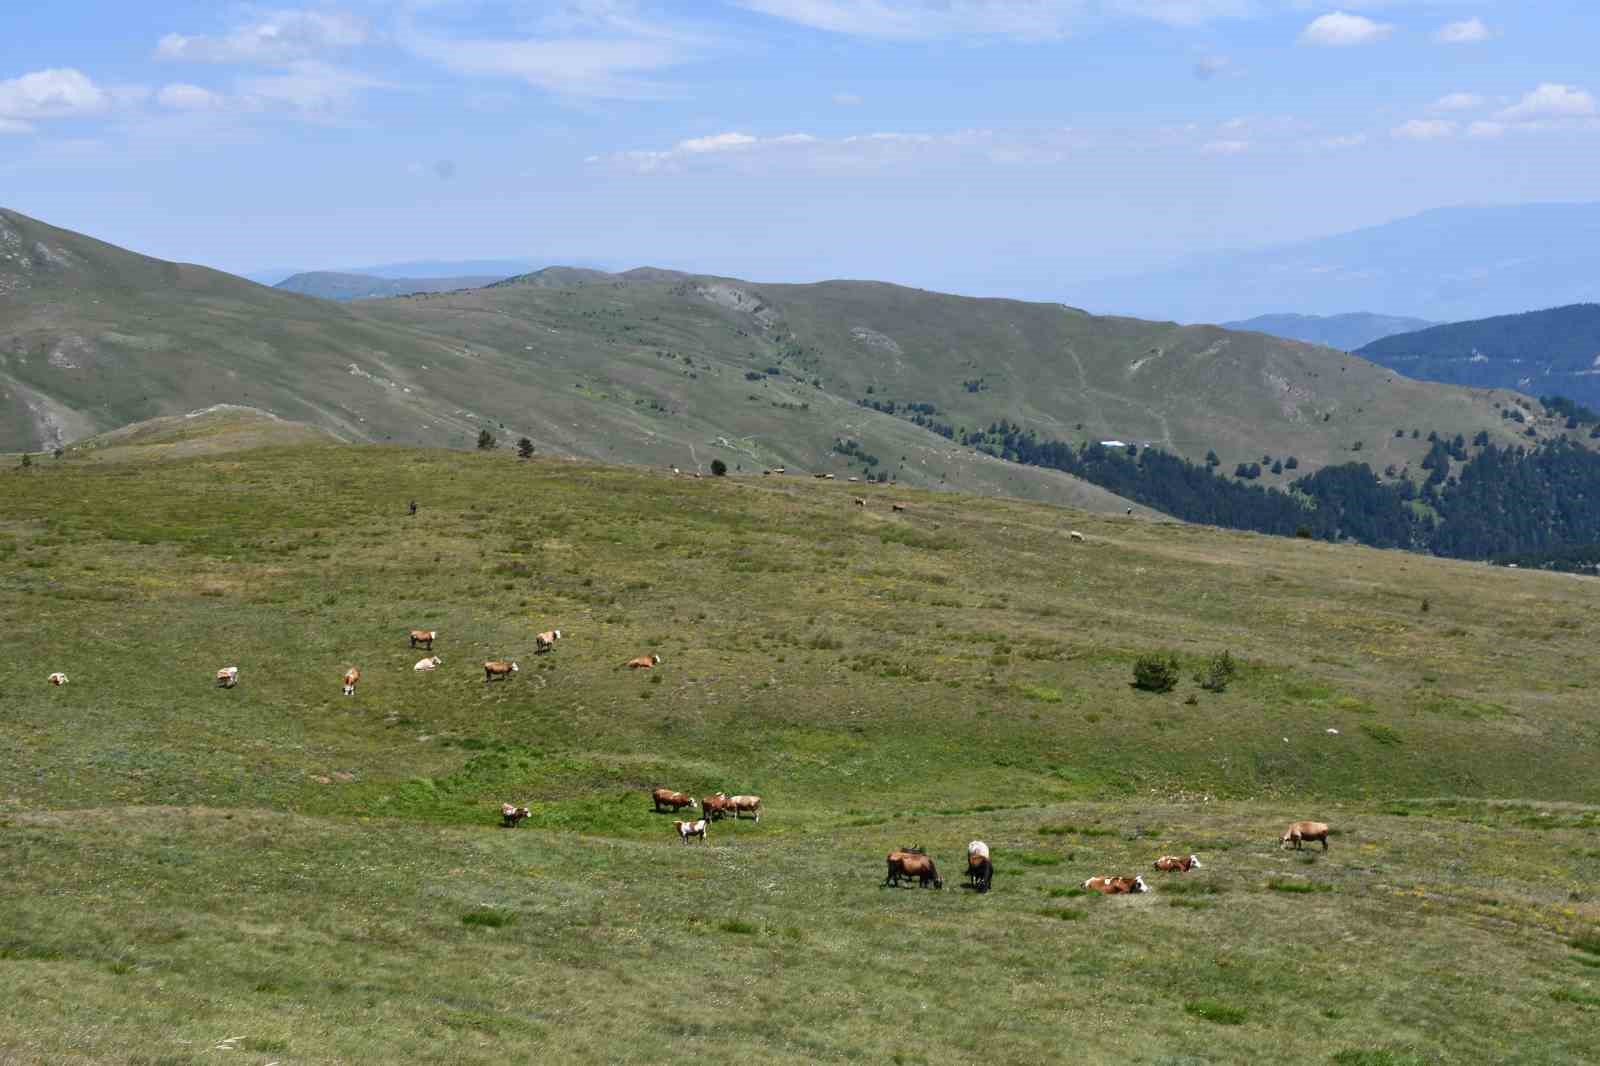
column 1449, row 265
column 1542, row 353
column 328, row 285
column 1345, row 332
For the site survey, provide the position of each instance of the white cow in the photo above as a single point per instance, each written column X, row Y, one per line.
column 427, row 664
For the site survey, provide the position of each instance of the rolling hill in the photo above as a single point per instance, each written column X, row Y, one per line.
column 1448, row 265
column 1345, row 332
column 280, row 873
column 330, row 285
column 662, row 368
column 1554, row 352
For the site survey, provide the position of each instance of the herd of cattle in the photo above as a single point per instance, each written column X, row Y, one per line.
column 909, row 864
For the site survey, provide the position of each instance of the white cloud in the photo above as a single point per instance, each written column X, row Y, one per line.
column 1458, row 102
column 860, row 152
column 1340, row 30
column 1485, row 130
column 1208, row 67
column 1425, row 129
column 718, row 142
column 1339, row 143
column 308, row 88
column 1467, row 31
column 1225, row 147
column 1029, row 20
column 279, row 37
column 1551, row 101
column 182, row 97
column 846, row 99
column 60, row 92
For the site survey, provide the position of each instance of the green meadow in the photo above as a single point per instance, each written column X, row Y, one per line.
column 279, row 874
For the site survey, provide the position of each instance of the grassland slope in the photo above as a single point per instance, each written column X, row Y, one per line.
column 298, row 876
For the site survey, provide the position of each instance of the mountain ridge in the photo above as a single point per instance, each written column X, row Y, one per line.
column 1346, row 332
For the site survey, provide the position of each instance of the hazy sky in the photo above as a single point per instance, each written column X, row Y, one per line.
column 995, row 146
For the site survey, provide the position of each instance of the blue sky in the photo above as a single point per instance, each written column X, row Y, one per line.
column 989, row 146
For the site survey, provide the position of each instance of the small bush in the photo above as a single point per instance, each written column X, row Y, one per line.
column 1214, row 1011
column 718, row 468
column 1217, row 673
column 1297, row 887
column 739, row 927
column 486, row 441
column 1156, row 673
column 1382, row 734
column 488, row 919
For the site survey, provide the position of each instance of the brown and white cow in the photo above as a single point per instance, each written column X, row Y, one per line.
column 351, row 677
column 511, row 814
column 1115, row 886
column 1171, row 863
column 543, row 642
column 692, row 829
column 423, row 637
column 666, row 797
column 909, row 863
column 714, row 807
column 643, row 662
column 745, row 805
column 228, row 677
column 499, row 668
column 58, row 678
column 1300, row 832
column 980, row 871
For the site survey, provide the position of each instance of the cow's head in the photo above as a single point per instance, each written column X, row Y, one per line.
column 693, row 806
column 1139, row 885
column 1284, row 840
column 1194, row 862
column 558, row 634
column 515, row 668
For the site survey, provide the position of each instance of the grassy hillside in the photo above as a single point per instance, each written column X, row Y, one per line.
column 663, row 369
column 332, row 285
column 1541, row 352
column 1346, row 332
column 304, row 877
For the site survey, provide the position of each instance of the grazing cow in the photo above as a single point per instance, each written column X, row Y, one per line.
column 714, row 807
column 413, row 506
column 909, row 863
column 510, row 815
column 643, row 662
column 819, row 477
column 1300, row 832
column 1075, row 535
column 58, row 678
column 351, row 676
column 228, row 677
column 860, row 502
column 980, row 871
column 1171, row 863
column 666, row 797
column 897, row 507
column 745, row 805
column 499, row 668
column 425, row 665
column 1115, row 886
column 423, row 637
column 543, row 642
column 692, row 829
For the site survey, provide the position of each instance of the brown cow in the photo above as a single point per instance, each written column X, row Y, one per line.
column 908, row 863
column 228, row 677
column 1114, row 886
column 423, row 636
column 511, row 814
column 499, row 668
column 714, row 807
column 897, row 507
column 1300, row 832
column 745, row 805
column 1170, row 863
column 643, row 662
column 543, row 642
column 351, row 677
column 666, row 797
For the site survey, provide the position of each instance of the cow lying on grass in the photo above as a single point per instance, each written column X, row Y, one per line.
column 511, row 814
column 58, row 678
column 1115, row 886
column 643, row 662
column 425, row 665
column 909, row 863
column 692, row 829
column 1300, row 832
column 228, row 677
column 666, row 797
column 1171, row 863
